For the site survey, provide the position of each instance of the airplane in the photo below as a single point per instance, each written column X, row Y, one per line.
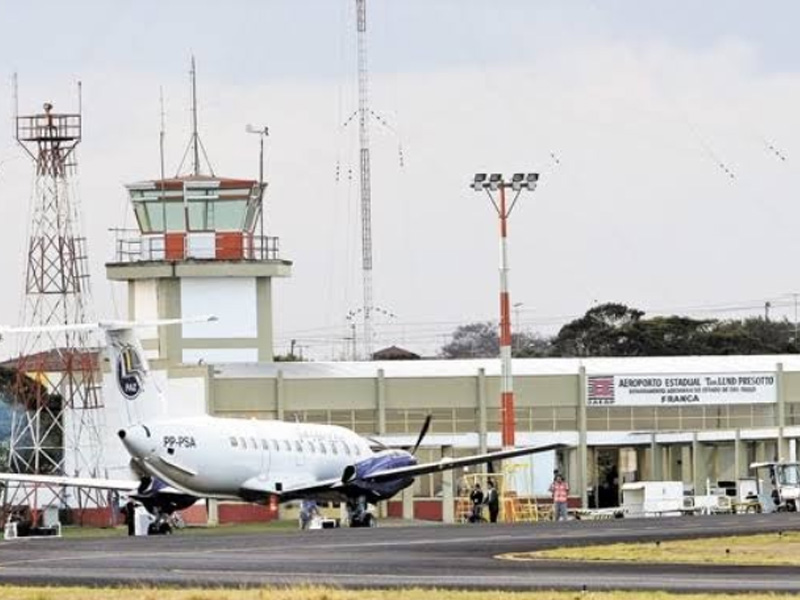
column 180, row 460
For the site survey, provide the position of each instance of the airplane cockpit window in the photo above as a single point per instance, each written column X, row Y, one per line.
column 346, row 448
column 234, row 443
column 264, row 445
column 311, row 448
column 298, row 446
column 322, row 449
column 275, row 446
column 333, row 448
column 358, row 450
column 253, row 443
column 287, row 445
column 243, row 443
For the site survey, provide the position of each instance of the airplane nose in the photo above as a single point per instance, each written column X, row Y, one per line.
column 137, row 440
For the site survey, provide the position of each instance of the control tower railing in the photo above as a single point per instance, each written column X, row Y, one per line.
column 132, row 246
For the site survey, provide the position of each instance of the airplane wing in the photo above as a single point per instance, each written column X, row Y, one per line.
column 335, row 489
column 454, row 463
column 120, row 485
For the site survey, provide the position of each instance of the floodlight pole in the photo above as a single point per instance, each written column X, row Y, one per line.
column 507, row 380
column 519, row 182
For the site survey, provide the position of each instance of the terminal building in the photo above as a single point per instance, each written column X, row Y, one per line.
column 699, row 420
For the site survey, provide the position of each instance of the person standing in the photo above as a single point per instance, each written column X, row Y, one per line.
column 560, row 492
column 476, row 497
column 130, row 517
column 308, row 510
column 493, row 502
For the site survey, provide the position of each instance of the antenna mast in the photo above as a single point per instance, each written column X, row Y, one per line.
column 195, row 143
column 366, row 194
column 195, row 137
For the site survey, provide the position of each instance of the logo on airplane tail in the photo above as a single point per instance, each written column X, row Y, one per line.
column 129, row 372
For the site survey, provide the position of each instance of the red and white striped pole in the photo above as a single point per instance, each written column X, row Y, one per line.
column 518, row 183
column 506, row 378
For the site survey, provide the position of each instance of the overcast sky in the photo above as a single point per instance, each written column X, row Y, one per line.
column 667, row 135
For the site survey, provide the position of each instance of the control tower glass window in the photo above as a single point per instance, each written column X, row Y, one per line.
column 174, row 213
column 152, row 215
column 216, row 215
column 229, row 215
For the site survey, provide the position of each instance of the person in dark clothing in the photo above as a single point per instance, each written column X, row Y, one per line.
column 476, row 497
column 492, row 500
column 130, row 517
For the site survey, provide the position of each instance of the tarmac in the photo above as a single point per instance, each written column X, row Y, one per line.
column 463, row 556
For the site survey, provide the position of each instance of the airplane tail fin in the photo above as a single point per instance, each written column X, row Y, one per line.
column 140, row 394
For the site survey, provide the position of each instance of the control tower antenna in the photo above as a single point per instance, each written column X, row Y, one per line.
column 195, row 136
column 195, row 146
column 364, row 163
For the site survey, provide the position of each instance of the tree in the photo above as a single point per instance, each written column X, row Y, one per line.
column 475, row 340
column 604, row 330
column 668, row 336
column 752, row 336
column 531, row 345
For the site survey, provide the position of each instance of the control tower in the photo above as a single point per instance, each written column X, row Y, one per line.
column 196, row 252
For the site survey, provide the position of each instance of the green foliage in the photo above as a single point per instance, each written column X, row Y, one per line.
column 614, row 329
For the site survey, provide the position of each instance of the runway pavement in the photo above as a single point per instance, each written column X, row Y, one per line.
column 448, row 556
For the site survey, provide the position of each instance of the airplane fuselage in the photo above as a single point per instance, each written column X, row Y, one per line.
column 214, row 457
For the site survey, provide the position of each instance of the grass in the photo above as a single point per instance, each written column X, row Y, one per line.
column 322, row 593
column 763, row 549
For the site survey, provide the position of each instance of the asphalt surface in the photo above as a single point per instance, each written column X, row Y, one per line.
column 448, row 556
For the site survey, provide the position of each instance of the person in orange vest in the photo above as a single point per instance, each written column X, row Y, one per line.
column 560, row 491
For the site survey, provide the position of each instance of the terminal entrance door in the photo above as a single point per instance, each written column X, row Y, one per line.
column 607, row 477
column 613, row 467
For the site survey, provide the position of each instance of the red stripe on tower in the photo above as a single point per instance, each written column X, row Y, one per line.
column 505, row 319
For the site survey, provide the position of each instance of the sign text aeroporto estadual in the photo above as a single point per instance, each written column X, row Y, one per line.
column 681, row 389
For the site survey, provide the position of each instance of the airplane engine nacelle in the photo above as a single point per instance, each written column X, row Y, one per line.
column 356, row 475
column 152, row 495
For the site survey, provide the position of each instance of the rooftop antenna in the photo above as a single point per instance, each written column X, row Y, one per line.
column 161, row 135
column 15, row 87
column 195, row 143
column 195, row 138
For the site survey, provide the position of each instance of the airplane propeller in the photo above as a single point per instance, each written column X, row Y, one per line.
column 422, row 433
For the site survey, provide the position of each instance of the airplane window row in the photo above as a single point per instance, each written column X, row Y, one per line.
column 310, row 446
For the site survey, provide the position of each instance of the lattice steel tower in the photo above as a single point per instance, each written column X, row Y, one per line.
column 57, row 427
column 364, row 169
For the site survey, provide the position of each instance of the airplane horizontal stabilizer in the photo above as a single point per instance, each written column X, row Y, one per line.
column 120, row 485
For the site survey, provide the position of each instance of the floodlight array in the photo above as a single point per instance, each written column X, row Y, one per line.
column 495, row 181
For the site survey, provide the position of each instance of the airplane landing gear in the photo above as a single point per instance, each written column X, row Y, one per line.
column 358, row 515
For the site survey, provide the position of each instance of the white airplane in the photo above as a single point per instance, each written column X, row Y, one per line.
column 179, row 461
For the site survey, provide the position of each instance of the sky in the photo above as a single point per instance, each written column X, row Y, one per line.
column 666, row 135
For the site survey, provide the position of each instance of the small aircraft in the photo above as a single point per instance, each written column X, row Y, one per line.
column 179, row 461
